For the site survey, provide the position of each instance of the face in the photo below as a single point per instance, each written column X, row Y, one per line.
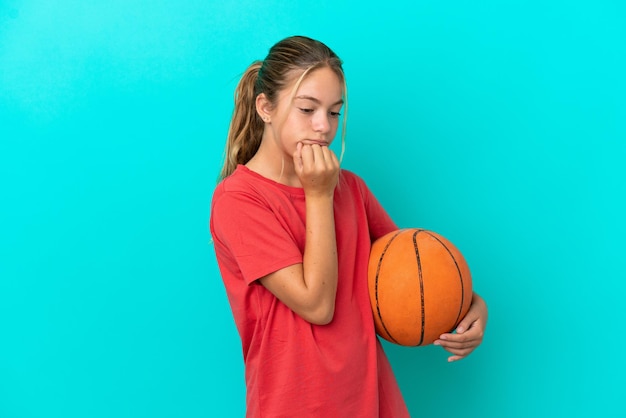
column 311, row 114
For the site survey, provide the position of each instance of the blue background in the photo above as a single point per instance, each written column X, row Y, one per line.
column 499, row 124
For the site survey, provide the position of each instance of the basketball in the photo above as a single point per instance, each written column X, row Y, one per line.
column 419, row 284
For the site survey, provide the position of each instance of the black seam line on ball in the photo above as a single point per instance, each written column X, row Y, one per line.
column 380, row 262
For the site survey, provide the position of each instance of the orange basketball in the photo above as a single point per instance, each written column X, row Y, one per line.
column 420, row 286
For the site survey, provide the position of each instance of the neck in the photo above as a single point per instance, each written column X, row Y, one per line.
column 272, row 163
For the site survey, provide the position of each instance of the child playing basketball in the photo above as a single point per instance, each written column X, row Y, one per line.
column 292, row 234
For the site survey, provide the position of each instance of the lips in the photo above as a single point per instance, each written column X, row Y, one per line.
column 315, row 141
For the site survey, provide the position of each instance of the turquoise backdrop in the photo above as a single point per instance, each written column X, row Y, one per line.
column 499, row 124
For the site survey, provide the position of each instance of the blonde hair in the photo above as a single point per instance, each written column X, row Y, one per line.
column 270, row 76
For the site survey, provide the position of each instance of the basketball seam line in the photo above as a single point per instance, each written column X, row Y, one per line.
column 421, row 282
column 380, row 262
column 458, row 269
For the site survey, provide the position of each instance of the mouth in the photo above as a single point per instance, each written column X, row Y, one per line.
column 315, row 141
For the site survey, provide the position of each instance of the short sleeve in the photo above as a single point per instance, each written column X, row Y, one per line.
column 250, row 236
column 379, row 221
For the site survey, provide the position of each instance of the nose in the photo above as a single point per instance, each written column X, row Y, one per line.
column 321, row 123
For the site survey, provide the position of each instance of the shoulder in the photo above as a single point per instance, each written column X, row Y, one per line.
column 240, row 185
column 349, row 177
column 247, row 194
column 232, row 194
column 352, row 180
column 238, row 181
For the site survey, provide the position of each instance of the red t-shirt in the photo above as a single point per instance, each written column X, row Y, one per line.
column 294, row 368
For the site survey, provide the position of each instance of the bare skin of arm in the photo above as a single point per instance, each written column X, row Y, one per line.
column 309, row 288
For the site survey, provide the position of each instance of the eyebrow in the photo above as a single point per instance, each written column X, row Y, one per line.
column 313, row 99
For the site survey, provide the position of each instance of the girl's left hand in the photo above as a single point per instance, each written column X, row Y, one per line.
column 469, row 332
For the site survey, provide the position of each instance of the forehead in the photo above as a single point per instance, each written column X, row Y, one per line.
column 323, row 84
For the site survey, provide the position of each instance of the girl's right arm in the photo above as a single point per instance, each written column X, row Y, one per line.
column 309, row 288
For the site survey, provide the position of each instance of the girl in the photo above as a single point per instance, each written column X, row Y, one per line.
column 292, row 235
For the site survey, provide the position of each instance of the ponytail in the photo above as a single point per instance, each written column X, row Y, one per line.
column 246, row 127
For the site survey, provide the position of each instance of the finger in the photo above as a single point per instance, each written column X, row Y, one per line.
column 467, row 322
column 461, row 352
column 456, row 336
column 469, row 339
column 476, row 331
column 318, row 155
column 456, row 345
column 297, row 156
column 323, row 158
column 331, row 159
column 470, row 345
column 307, row 157
column 470, row 335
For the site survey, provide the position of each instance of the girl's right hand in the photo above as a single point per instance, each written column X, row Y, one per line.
column 317, row 168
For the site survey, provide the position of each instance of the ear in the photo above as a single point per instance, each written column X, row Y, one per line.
column 264, row 108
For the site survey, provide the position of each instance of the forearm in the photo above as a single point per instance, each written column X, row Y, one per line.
column 320, row 256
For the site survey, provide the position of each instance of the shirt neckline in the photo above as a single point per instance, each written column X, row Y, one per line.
column 297, row 191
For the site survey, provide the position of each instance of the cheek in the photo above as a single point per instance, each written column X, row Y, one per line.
column 335, row 126
column 294, row 126
column 288, row 134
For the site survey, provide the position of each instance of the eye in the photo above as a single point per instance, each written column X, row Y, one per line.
column 305, row 110
column 335, row 114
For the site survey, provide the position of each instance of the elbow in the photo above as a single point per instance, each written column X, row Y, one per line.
column 323, row 315
column 324, row 319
